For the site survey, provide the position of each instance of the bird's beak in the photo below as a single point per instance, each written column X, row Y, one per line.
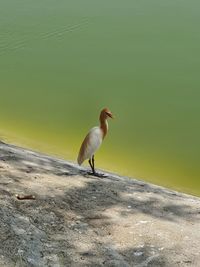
column 111, row 115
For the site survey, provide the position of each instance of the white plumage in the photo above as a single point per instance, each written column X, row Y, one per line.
column 91, row 143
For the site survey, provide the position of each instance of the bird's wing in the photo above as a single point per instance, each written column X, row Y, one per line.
column 90, row 144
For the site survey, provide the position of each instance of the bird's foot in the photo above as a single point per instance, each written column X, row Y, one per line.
column 97, row 174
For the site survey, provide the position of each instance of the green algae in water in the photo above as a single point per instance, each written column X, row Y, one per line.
column 60, row 63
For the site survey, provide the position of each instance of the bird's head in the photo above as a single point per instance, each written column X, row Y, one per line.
column 106, row 113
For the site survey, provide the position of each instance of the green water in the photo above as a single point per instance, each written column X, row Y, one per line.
column 62, row 61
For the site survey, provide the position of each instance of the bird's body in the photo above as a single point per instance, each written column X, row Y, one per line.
column 94, row 139
column 90, row 144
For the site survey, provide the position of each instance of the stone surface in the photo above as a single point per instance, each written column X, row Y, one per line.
column 81, row 220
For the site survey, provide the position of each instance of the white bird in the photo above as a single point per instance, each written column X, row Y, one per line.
column 94, row 139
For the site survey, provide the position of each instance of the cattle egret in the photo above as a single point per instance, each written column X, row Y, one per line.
column 94, row 139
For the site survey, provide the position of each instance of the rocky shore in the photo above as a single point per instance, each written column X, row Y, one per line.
column 77, row 220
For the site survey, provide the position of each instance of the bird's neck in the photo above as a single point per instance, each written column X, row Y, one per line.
column 104, row 125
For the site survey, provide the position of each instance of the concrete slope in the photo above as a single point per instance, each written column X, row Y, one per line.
column 81, row 220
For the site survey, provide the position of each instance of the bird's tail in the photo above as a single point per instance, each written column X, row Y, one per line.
column 79, row 160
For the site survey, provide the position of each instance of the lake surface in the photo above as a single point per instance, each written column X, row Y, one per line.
column 62, row 61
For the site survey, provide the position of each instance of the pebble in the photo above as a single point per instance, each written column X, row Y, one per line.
column 144, row 221
column 138, row 253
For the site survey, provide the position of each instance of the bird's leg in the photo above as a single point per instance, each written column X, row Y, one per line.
column 91, row 162
column 100, row 175
column 91, row 165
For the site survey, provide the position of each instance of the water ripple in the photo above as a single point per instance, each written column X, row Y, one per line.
column 10, row 46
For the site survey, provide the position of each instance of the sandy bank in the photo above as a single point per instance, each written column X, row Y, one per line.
column 80, row 220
